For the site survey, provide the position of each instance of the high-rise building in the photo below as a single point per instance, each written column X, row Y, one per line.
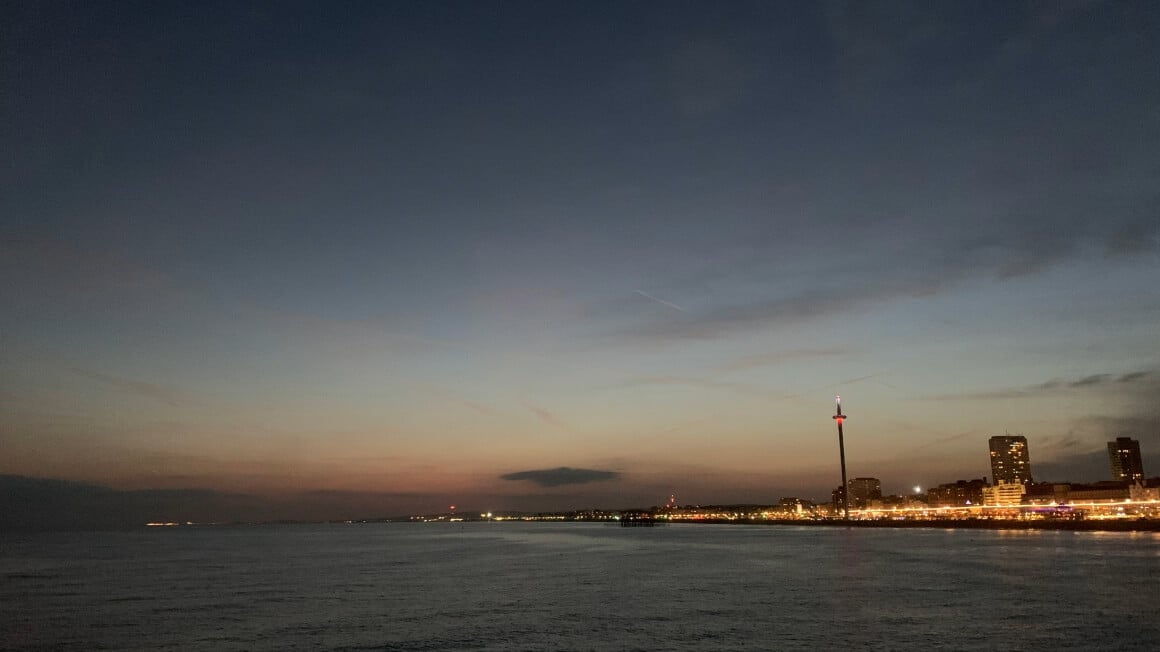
column 838, row 498
column 1010, row 461
column 863, row 490
column 1124, row 455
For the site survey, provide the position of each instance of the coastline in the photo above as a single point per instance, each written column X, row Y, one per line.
column 1125, row 525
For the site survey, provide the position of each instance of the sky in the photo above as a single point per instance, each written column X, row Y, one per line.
column 386, row 257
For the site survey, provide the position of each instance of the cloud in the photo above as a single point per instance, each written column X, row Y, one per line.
column 548, row 417
column 1134, row 376
column 1075, row 467
column 562, row 476
column 1134, row 238
column 157, row 392
column 740, row 388
column 942, row 441
column 929, row 266
column 1080, row 454
column 1141, row 379
column 1094, row 379
column 1140, row 423
column 477, row 407
column 1013, row 199
column 660, row 301
column 774, row 312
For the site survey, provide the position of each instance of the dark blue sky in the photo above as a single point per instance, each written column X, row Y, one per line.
column 416, row 247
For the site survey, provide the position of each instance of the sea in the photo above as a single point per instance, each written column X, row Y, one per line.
column 578, row 586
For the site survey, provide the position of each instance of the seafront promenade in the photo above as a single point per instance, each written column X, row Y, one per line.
column 1125, row 525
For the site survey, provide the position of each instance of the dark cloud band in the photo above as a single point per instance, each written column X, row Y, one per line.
column 562, row 476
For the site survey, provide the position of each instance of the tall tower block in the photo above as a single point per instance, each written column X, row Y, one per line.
column 1125, row 459
column 1010, row 460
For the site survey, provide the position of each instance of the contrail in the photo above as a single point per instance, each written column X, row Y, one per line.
column 660, row 301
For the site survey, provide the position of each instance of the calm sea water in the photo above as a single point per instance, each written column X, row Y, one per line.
column 507, row 586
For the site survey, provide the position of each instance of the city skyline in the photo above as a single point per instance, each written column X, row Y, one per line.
column 531, row 256
column 52, row 504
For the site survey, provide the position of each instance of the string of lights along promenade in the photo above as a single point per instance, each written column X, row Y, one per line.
column 839, row 417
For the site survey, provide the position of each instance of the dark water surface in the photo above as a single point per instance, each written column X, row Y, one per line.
column 534, row 586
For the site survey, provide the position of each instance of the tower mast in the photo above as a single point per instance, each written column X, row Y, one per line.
column 839, row 417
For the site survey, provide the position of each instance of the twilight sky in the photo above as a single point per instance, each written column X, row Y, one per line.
column 414, row 254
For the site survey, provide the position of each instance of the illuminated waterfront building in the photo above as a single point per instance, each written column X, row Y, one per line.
column 1106, row 491
column 1062, row 493
column 1147, row 490
column 1124, row 456
column 957, row 494
column 864, row 490
column 1010, row 459
column 796, row 506
column 1004, row 494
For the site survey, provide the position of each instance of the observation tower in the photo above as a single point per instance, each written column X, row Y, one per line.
column 839, row 417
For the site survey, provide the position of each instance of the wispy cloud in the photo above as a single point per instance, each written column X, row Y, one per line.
column 941, row 441
column 837, row 384
column 1134, row 238
column 562, row 476
column 782, row 311
column 1134, row 376
column 1087, row 381
column 1092, row 381
column 477, row 407
column 745, row 389
column 548, row 417
column 660, row 301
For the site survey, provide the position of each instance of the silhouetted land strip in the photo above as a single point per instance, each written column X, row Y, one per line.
column 1124, row 525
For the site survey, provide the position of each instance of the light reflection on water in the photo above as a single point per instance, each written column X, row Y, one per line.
column 493, row 586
